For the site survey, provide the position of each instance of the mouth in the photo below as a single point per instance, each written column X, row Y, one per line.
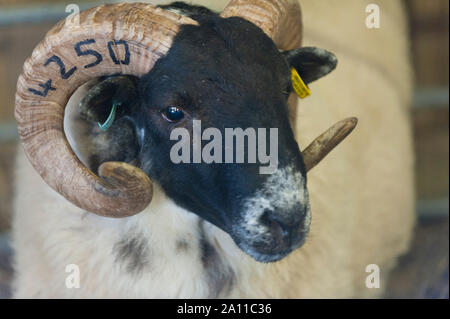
column 269, row 247
column 268, row 257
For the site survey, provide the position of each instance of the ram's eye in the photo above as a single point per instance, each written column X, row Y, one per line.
column 172, row 114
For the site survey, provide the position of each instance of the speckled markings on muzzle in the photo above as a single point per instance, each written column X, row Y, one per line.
column 276, row 219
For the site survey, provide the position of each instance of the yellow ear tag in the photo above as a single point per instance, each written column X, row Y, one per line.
column 299, row 86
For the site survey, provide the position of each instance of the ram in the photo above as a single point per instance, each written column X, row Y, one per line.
column 101, row 98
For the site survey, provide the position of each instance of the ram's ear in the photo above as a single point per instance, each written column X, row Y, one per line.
column 311, row 63
column 115, row 94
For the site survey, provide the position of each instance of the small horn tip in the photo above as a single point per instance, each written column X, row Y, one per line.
column 351, row 121
column 326, row 142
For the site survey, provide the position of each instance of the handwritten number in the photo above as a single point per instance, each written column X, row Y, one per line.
column 47, row 87
column 125, row 61
column 80, row 52
column 62, row 68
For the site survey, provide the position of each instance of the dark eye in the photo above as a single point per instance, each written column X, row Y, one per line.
column 172, row 114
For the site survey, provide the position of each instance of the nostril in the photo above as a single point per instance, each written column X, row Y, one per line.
column 264, row 218
column 276, row 226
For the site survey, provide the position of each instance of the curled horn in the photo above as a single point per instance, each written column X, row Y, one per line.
column 281, row 20
column 111, row 39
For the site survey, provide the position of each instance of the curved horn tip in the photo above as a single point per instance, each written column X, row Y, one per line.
column 326, row 142
column 128, row 182
column 353, row 121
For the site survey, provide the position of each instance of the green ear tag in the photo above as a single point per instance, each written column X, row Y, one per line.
column 109, row 121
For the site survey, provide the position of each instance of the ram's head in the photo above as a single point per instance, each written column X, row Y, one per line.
column 157, row 71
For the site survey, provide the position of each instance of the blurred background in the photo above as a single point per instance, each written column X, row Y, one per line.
column 422, row 273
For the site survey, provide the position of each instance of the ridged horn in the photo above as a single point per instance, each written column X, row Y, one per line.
column 110, row 39
column 281, row 20
column 325, row 143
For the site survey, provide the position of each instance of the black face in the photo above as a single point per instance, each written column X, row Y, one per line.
column 228, row 74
